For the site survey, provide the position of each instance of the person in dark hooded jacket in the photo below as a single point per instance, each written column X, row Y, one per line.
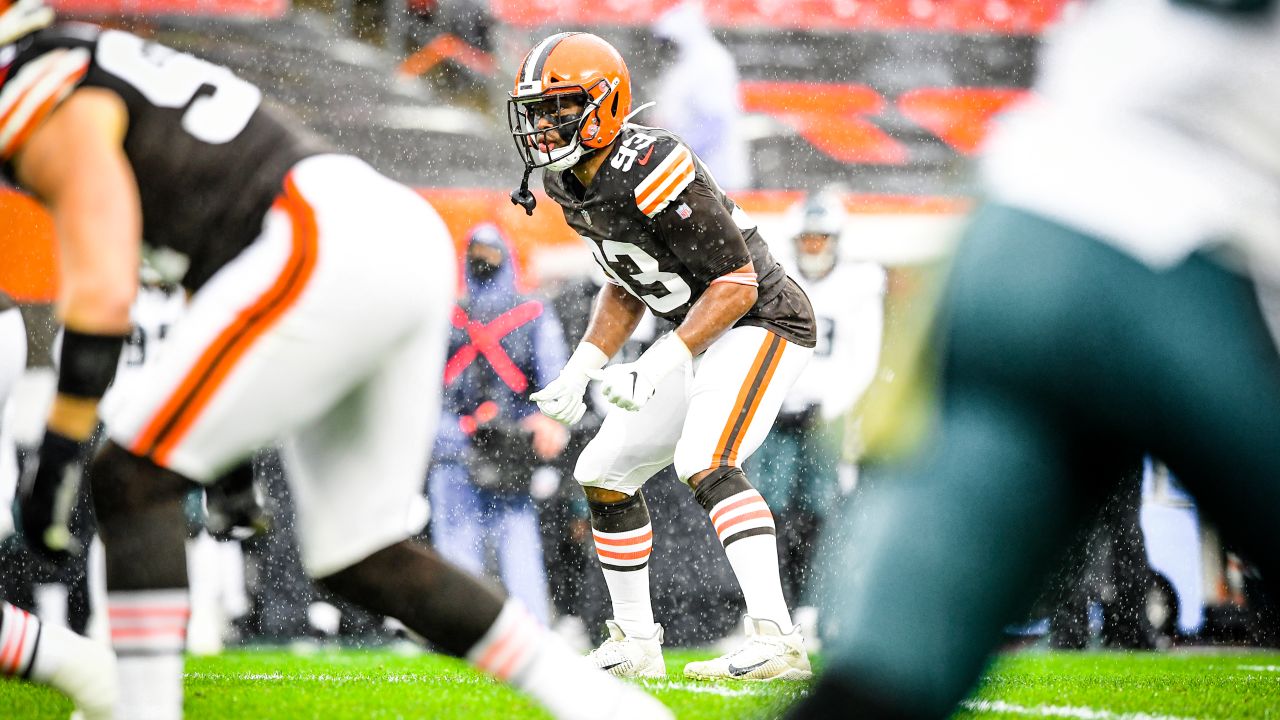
column 492, row 438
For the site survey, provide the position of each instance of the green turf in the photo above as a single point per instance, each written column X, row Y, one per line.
column 263, row 685
column 1122, row 686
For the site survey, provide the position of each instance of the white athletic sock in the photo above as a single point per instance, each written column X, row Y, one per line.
column 519, row 651
column 744, row 524
column 624, row 559
column 149, row 631
column 755, row 563
column 79, row 667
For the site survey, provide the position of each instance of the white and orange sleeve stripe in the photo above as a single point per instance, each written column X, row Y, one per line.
column 19, row 631
column 30, row 97
column 665, row 182
column 742, row 515
column 627, row 550
column 738, row 278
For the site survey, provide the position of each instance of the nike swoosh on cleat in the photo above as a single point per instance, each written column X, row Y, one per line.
column 740, row 671
column 607, row 668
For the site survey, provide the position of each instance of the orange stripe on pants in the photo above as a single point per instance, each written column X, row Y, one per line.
column 175, row 419
column 762, row 369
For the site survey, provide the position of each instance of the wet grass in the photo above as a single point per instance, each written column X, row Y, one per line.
column 355, row 684
column 1129, row 686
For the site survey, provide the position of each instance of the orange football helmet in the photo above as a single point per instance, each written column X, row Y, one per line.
column 575, row 85
column 22, row 17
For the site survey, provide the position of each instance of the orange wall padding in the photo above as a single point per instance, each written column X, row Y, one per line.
column 28, row 261
column 28, row 266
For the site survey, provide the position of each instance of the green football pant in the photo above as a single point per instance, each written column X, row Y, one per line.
column 1061, row 357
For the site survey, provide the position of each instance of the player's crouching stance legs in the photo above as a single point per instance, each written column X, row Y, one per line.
column 772, row 651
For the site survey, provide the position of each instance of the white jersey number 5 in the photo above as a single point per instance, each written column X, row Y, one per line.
column 171, row 79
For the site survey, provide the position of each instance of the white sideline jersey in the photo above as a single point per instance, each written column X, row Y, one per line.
column 153, row 313
column 13, row 361
column 849, row 306
column 1093, row 150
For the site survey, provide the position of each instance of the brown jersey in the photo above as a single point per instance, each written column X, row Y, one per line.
column 208, row 153
column 663, row 230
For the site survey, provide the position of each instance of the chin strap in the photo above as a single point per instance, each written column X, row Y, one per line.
column 522, row 196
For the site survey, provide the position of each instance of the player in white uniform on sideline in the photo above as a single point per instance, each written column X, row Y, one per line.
column 848, row 304
column 799, row 468
column 29, row 648
column 320, row 294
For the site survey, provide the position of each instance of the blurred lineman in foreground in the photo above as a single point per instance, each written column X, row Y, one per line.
column 701, row 397
column 798, row 468
column 1108, row 298
column 320, row 294
column 29, row 648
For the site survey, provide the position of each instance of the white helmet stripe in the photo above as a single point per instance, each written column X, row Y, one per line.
column 537, row 57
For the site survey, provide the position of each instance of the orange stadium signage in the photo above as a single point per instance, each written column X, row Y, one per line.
column 241, row 8
column 964, row 16
column 838, row 118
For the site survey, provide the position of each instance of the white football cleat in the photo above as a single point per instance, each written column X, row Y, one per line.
column 630, row 656
column 767, row 654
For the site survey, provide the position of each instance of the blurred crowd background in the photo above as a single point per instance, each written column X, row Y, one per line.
column 845, row 127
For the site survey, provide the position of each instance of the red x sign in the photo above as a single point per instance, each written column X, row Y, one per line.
column 486, row 341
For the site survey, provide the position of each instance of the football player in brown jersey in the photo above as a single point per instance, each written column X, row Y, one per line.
column 702, row 397
column 298, row 329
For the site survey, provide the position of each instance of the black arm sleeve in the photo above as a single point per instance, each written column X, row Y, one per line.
column 708, row 241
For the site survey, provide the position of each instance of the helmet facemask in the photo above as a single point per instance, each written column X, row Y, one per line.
column 563, row 113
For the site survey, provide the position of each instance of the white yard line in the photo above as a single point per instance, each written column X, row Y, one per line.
column 306, row 677
column 335, row 678
column 703, row 688
column 1060, row 711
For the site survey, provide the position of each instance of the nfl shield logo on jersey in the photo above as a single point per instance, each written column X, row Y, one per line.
column 683, row 211
column 586, row 217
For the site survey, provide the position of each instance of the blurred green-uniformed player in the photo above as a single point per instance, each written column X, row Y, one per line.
column 1105, row 299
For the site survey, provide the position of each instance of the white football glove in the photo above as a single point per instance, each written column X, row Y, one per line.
column 624, row 386
column 561, row 399
column 631, row 385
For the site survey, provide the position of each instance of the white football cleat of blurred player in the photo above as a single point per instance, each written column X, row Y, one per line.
column 767, row 654
column 630, row 656
column 86, row 673
column 635, row 704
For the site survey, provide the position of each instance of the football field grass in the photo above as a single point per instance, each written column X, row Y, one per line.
column 352, row 684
